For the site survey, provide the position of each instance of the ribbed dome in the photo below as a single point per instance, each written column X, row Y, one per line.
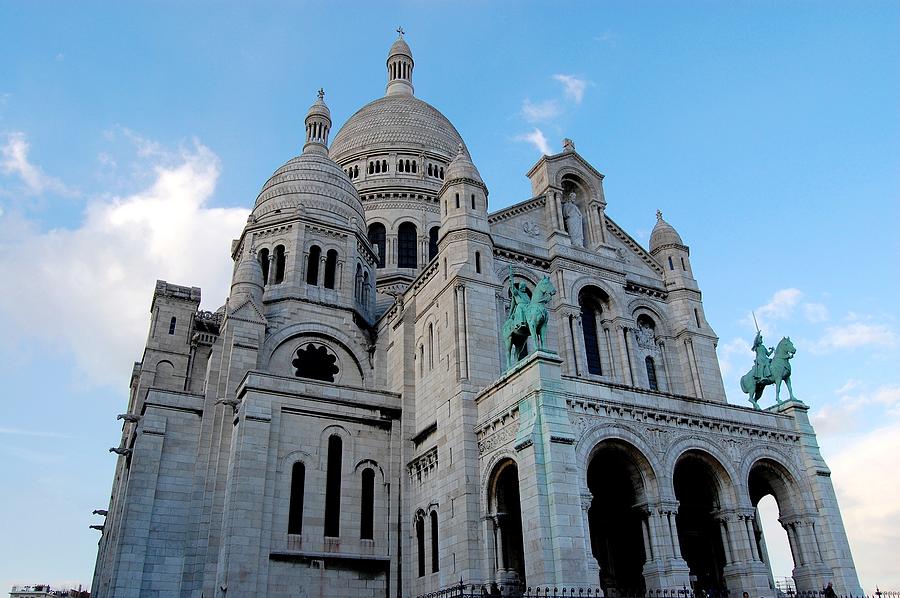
column 663, row 234
column 396, row 122
column 312, row 182
column 400, row 47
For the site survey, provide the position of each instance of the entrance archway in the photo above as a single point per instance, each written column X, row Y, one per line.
column 770, row 479
column 506, row 514
column 616, row 518
column 698, row 490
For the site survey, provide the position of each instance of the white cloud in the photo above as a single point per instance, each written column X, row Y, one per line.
column 573, row 86
column 737, row 350
column 855, row 335
column 868, row 490
column 537, row 139
column 14, row 162
column 541, row 111
column 815, row 313
column 88, row 289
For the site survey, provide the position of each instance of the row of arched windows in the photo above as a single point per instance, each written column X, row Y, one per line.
column 400, row 70
column 407, row 166
column 436, row 171
column 352, row 172
column 378, row 166
column 361, row 287
column 407, row 241
column 332, row 528
column 420, row 542
column 272, row 264
column 312, row 267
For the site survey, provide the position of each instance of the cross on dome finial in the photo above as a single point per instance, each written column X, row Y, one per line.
column 659, row 214
column 321, row 94
column 400, row 31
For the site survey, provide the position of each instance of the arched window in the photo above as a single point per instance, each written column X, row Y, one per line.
column 295, row 511
column 682, row 265
column 263, row 257
column 406, row 245
column 384, row 167
column 377, row 166
column 408, row 166
column 377, row 237
column 371, row 168
column 429, row 170
column 421, row 360
column 431, row 346
column 435, row 553
column 365, row 288
column 172, row 324
column 333, row 487
column 279, row 264
column 651, row 373
column 433, row 242
column 357, row 288
column 414, row 166
column 442, row 172
column 591, row 306
column 330, row 268
column 355, row 171
column 312, row 265
column 367, row 514
column 671, row 265
column 477, row 262
column 420, row 541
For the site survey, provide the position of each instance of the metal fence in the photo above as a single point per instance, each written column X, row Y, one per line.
column 462, row 590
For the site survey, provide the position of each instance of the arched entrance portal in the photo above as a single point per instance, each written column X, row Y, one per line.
column 697, row 490
column 506, row 515
column 615, row 518
column 768, row 478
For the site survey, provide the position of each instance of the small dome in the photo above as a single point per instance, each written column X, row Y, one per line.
column 462, row 167
column 400, row 48
column 311, row 182
column 319, row 107
column 249, row 272
column 663, row 234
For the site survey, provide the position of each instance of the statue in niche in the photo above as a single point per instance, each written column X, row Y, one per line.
column 646, row 336
column 574, row 220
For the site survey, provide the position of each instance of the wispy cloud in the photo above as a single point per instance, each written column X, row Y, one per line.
column 815, row 313
column 854, row 335
column 573, row 86
column 535, row 112
column 537, row 139
column 14, row 162
column 32, row 433
column 606, row 37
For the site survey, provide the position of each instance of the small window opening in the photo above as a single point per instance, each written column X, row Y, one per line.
column 315, row 363
column 366, row 517
column 478, row 262
column 473, row 201
column 333, row 488
column 433, row 242
column 651, row 373
column 330, row 268
column 457, row 200
column 442, row 172
column 683, row 267
column 263, row 257
column 172, row 325
column 420, row 542
column 406, row 245
column 435, row 553
column 384, row 167
column 414, row 167
column 295, row 512
column 377, row 237
column 279, row 264
column 671, row 265
column 697, row 317
column 312, row 265
column 429, row 170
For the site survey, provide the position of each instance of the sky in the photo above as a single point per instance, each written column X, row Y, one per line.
column 134, row 138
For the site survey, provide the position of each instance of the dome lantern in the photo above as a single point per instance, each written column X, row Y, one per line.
column 318, row 125
column 400, row 66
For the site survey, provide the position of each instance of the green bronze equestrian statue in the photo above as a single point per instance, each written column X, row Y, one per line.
column 768, row 371
column 528, row 316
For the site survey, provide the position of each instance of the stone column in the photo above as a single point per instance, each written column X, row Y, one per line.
column 613, row 370
column 594, row 224
column 461, row 333
column 592, row 565
column 578, row 343
column 665, row 363
column 270, row 279
column 628, row 366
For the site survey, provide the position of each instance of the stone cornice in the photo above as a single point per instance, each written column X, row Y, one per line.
column 633, row 245
column 521, row 208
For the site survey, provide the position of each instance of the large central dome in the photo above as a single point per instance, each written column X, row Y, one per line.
column 396, row 122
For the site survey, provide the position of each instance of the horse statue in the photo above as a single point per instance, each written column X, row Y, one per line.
column 777, row 369
column 528, row 316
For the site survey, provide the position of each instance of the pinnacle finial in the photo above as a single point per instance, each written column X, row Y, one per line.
column 321, row 94
column 659, row 214
column 400, row 31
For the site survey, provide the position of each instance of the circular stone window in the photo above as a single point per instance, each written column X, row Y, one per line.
column 316, row 363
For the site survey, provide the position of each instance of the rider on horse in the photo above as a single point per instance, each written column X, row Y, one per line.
column 762, row 368
column 518, row 299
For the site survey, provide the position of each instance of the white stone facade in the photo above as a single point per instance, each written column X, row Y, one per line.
column 346, row 425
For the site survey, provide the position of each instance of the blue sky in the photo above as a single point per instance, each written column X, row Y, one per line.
column 134, row 138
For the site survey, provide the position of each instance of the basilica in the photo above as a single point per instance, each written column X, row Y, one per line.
column 405, row 389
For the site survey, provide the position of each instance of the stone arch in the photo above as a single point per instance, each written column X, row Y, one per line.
column 641, row 306
column 363, row 463
column 716, row 457
column 488, row 470
column 346, row 438
column 582, row 282
column 271, row 353
column 593, row 437
column 577, row 176
column 506, row 546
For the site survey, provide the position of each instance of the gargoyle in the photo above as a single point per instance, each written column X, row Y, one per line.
column 233, row 403
column 129, row 417
column 99, row 528
column 101, row 512
column 120, row 451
